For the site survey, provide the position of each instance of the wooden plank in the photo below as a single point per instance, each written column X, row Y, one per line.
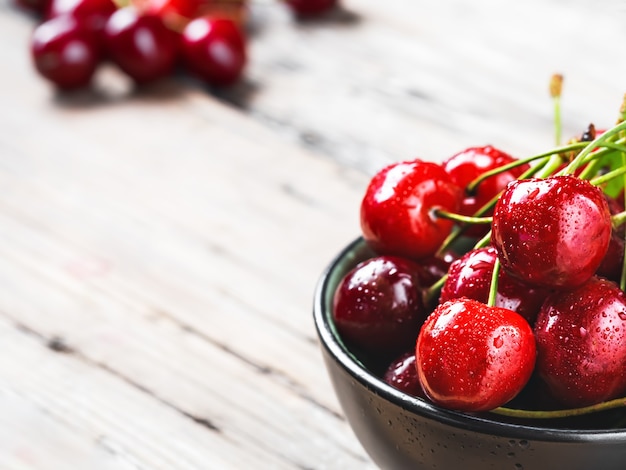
column 129, row 244
column 405, row 79
column 60, row 412
column 160, row 247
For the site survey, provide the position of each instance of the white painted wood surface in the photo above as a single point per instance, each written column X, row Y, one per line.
column 159, row 249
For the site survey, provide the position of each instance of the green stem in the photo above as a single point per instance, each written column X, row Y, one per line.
column 493, row 289
column 556, row 85
column 605, row 178
column 432, row 291
column 471, row 187
column 465, row 219
column 553, row 414
column 590, row 147
column 618, row 219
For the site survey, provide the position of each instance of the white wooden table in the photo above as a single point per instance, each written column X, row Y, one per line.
column 159, row 249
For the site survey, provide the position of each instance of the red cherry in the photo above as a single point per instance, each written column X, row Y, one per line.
column 402, row 374
column 187, row 9
column 551, row 232
column 177, row 13
column 397, row 211
column 305, row 8
column 90, row 13
column 64, row 52
column 581, row 343
column 433, row 268
column 378, row 306
column 140, row 44
column 470, row 276
column 611, row 266
column 466, row 166
column 214, row 49
column 472, row 357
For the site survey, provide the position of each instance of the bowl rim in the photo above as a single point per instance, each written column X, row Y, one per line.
column 414, row 405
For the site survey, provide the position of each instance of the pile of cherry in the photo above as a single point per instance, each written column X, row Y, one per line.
column 147, row 39
column 493, row 277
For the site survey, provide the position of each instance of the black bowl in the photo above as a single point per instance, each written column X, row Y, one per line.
column 399, row 431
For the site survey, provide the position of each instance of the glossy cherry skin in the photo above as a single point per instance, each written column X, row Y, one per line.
column 65, row 53
column 611, row 266
column 214, row 49
column 466, row 166
column 90, row 13
column 397, row 210
column 378, row 306
column 472, row 357
column 307, row 8
column 551, row 232
column 140, row 44
column 581, row 343
column 402, row 374
column 470, row 276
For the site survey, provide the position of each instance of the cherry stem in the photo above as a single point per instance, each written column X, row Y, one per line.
column 554, row 414
column 605, row 178
column 465, row 219
column 618, row 219
column 432, row 291
column 493, row 289
column 556, row 86
column 590, row 147
column 472, row 186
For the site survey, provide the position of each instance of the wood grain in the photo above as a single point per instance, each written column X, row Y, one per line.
column 159, row 247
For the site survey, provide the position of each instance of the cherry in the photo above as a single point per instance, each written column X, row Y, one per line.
column 472, row 357
column 90, row 13
column 402, row 374
column 177, row 13
column 140, row 44
column 214, row 49
column 397, row 210
column 64, row 52
column 175, row 10
column 611, row 266
column 466, row 166
column 435, row 267
column 378, row 305
column 307, row 8
column 470, row 276
column 551, row 232
column 581, row 343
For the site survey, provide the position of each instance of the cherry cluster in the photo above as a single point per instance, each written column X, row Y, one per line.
column 146, row 39
column 494, row 277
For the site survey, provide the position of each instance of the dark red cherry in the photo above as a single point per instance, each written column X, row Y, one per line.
column 470, row 276
column 402, row 374
column 140, row 44
column 378, row 305
column 581, row 343
column 551, row 232
column 214, row 49
column 398, row 209
column 64, row 52
column 305, row 8
column 466, row 166
column 473, row 357
column 90, row 13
